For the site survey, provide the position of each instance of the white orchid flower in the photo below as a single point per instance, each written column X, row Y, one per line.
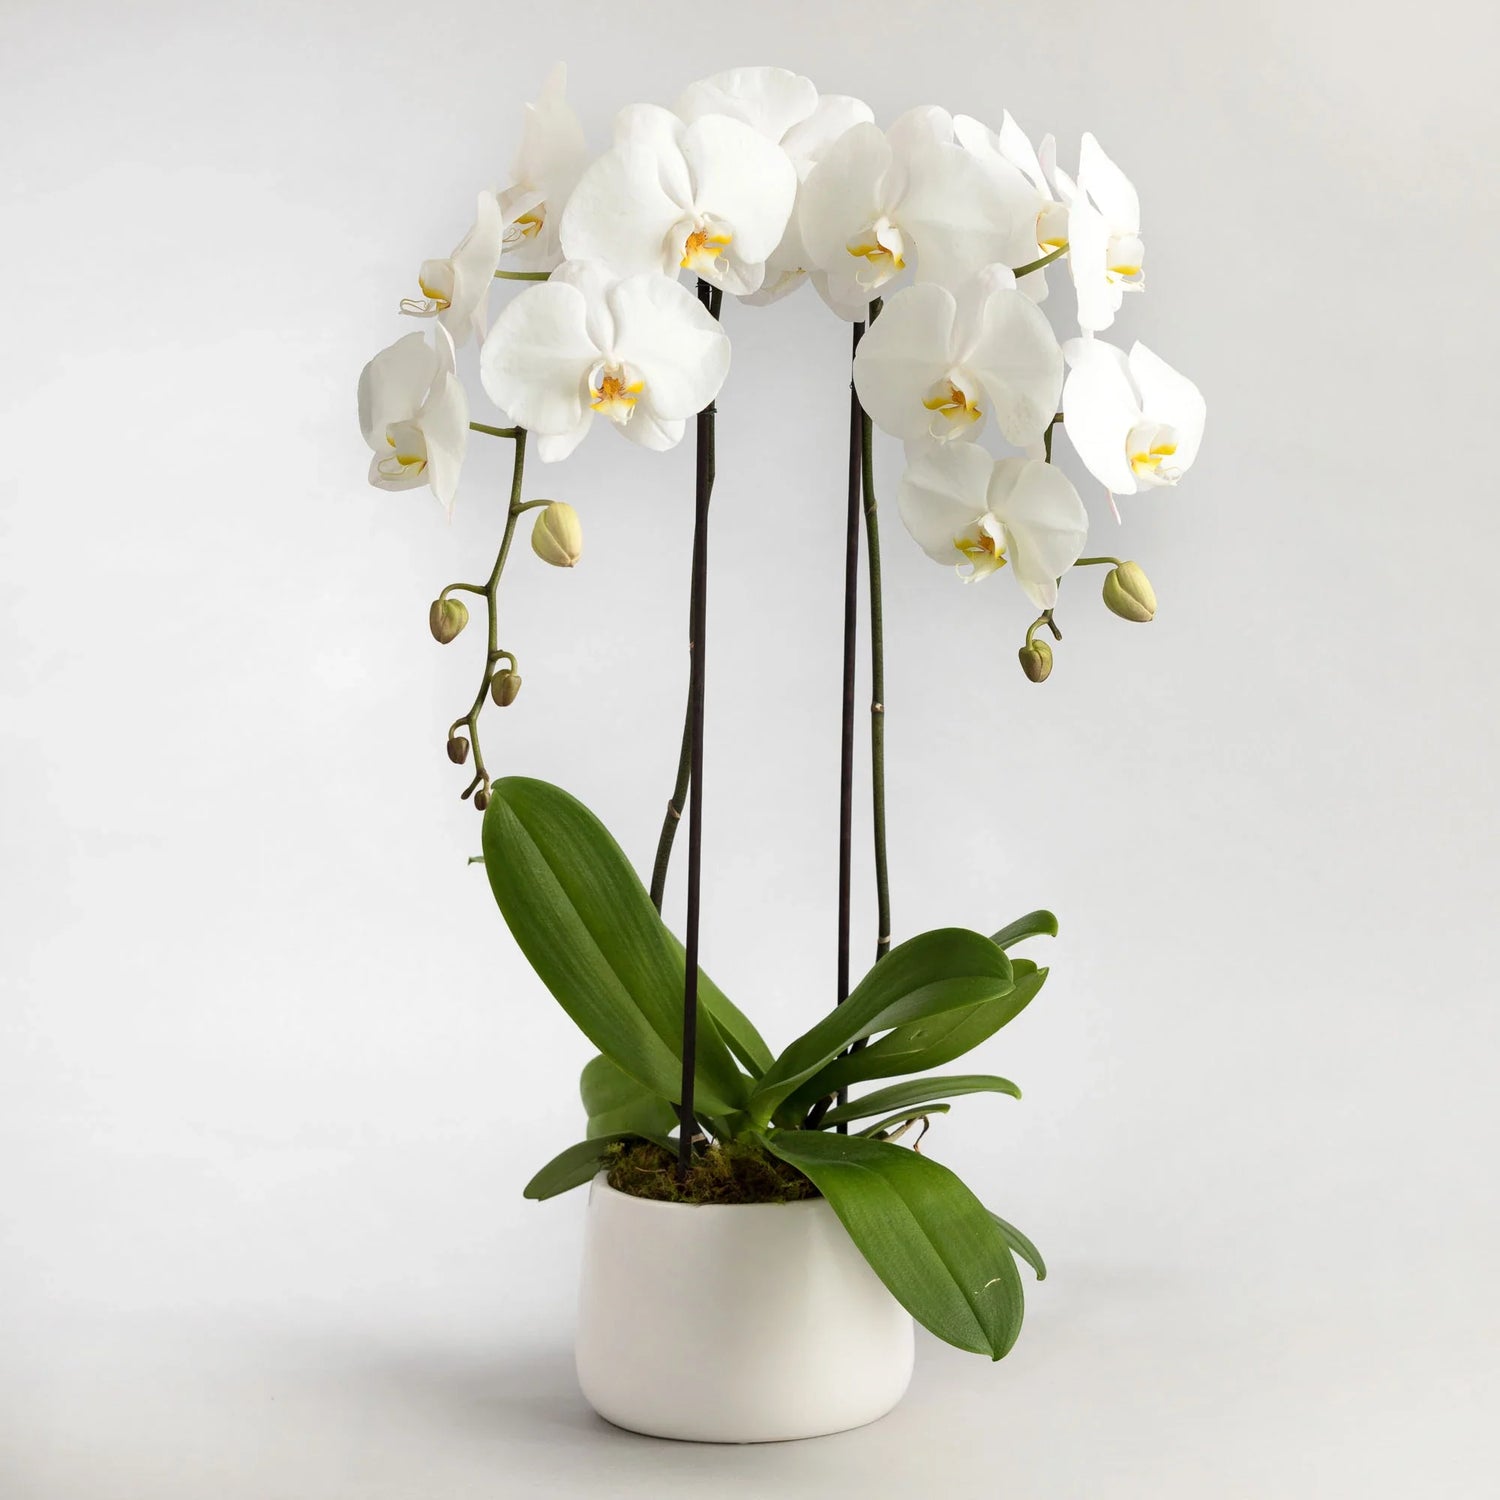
column 1105, row 252
column 934, row 365
column 547, row 166
column 966, row 508
column 1010, row 150
column 456, row 291
column 1135, row 422
column 875, row 203
column 415, row 417
column 712, row 197
column 785, row 108
column 641, row 351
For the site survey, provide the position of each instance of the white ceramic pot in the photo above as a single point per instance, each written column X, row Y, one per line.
column 745, row 1323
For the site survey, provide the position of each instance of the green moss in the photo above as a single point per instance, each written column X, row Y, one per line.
column 731, row 1172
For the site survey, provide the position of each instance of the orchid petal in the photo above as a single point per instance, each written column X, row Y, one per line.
column 474, row 263
column 906, row 351
column 1044, row 521
column 841, row 196
column 963, row 216
column 1109, row 187
column 943, row 495
column 1169, row 397
column 620, row 213
column 834, row 117
column 1100, row 406
column 1099, row 297
column 1019, row 362
column 742, row 180
column 665, row 333
column 651, row 431
column 535, row 362
column 444, row 420
column 392, row 387
column 770, row 100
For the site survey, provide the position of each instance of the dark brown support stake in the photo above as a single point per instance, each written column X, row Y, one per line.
column 851, row 640
column 698, row 623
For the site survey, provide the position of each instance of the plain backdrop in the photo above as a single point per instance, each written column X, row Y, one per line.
column 272, row 1074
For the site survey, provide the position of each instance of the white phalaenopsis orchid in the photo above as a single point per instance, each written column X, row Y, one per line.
column 934, row 365
column 415, row 416
column 875, row 203
column 1009, row 149
column 966, row 508
column 785, row 108
column 456, row 291
column 547, row 166
column 712, row 197
column 1105, row 253
column 1135, row 422
column 641, row 351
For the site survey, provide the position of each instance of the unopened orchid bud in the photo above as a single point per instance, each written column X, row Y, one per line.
column 1036, row 660
column 446, row 618
column 557, row 535
column 482, row 798
column 504, row 686
column 458, row 749
column 1128, row 593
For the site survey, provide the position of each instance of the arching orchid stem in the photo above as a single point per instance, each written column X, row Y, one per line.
column 530, row 275
column 505, row 432
column 1046, row 260
column 677, row 802
column 697, row 634
column 1047, row 436
column 1091, row 562
column 490, row 590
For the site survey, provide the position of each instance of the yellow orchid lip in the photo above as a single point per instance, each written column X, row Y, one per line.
column 703, row 247
column 615, row 396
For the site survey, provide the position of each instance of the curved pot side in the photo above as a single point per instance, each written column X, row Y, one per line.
column 767, row 1311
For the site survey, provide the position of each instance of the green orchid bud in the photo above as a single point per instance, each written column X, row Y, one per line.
column 557, row 535
column 446, row 618
column 1128, row 593
column 1036, row 660
column 504, row 686
column 458, row 749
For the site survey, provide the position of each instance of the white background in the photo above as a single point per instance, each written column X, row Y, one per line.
column 272, row 1073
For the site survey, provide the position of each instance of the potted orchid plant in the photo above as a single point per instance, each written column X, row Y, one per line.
column 761, row 1223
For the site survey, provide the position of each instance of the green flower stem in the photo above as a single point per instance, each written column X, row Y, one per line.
column 877, row 678
column 1089, row 562
column 505, row 432
column 494, row 653
column 1046, row 260
column 1047, row 435
column 677, row 802
column 523, row 275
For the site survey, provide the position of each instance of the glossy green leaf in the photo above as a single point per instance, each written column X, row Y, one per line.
column 950, row 969
column 579, row 1163
column 615, row 1103
column 903, row 1117
column 733, row 1024
column 1022, row 1246
column 1033, row 924
column 926, row 1236
column 585, row 923
column 924, row 1044
column 920, row 1091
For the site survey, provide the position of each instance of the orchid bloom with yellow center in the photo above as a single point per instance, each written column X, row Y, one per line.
column 1134, row 420
column 547, row 165
column 456, row 291
column 414, row 416
column 640, row 351
column 1105, row 250
column 987, row 514
column 712, row 197
column 935, row 365
column 878, row 202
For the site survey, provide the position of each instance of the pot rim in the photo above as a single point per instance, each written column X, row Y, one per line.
column 600, row 1183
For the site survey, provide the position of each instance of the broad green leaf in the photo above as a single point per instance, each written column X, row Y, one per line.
column 920, row 1091
column 733, row 1024
column 926, row 1236
column 615, row 1103
column 924, row 1044
column 903, row 1116
column 580, row 914
column 950, row 969
column 1022, row 1246
column 1033, row 924
column 578, row 1164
